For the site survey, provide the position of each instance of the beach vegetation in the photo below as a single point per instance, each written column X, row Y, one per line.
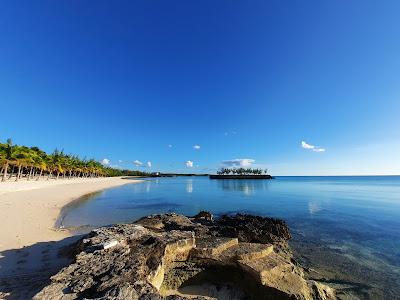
column 32, row 163
column 242, row 171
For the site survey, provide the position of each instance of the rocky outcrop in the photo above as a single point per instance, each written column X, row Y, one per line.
column 253, row 229
column 175, row 257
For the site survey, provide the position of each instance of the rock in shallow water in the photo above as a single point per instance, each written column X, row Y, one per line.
column 165, row 256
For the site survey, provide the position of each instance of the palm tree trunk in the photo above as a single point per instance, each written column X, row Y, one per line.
column 41, row 171
column 30, row 173
column 12, row 172
column 5, row 172
column 18, row 173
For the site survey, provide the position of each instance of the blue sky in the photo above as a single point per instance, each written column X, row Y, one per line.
column 241, row 79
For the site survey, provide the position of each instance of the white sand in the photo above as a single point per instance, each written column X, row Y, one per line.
column 29, row 244
column 29, row 209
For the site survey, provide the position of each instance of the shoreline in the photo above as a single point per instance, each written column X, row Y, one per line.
column 30, row 245
column 29, row 210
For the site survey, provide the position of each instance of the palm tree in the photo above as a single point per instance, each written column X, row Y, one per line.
column 7, row 157
column 2, row 157
column 22, row 159
column 40, row 161
column 42, row 166
column 56, row 163
column 32, row 162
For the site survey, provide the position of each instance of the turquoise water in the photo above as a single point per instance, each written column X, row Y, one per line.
column 355, row 217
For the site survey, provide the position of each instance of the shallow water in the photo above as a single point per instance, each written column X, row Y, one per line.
column 347, row 228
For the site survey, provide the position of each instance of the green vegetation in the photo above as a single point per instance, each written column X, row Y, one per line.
column 32, row 163
column 241, row 171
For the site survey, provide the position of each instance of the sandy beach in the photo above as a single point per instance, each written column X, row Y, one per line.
column 29, row 209
column 29, row 242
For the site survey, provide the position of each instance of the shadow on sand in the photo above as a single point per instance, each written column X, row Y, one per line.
column 25, row 271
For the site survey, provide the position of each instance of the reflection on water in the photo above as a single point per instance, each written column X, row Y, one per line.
column 148, row 186
column 189, row 186
column 313, row 207
column 247, row 186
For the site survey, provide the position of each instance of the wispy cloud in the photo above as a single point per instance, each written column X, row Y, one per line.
column 138, row 163
column 226, row 133
column 169, row 146
column 120, row 161
column 196, row 147
column 189, row 164
column 105, row 162
column 238, row 162
column 313, row 148
column 149, row 164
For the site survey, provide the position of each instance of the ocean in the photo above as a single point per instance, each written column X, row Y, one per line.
column 346, row 229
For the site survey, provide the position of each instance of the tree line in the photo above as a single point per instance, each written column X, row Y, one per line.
column 242, row 171
column 33, row 163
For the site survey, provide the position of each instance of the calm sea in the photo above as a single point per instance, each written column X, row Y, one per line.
column 346, row 229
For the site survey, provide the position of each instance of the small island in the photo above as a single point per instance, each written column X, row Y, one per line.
column 241, row 173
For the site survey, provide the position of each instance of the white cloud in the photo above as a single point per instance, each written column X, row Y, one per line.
column 196, row 147
column 138, row 163
column 307, row 146
column 149, row 164
column 238, row 162
column 105, row 162
column 189, row 164
column 169, row 146
column 120, row 161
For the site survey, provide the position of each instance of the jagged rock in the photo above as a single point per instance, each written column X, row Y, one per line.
column 209, row 247
column 162, row 254
column 321, row 291
column 247, row 251
column 278, row 273
column 253, row 229
column 121, row 292
column 167, row 222
column 204, row 215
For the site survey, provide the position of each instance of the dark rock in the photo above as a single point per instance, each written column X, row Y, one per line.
column 253, row 229
column 203, row 215
column 247, row 228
